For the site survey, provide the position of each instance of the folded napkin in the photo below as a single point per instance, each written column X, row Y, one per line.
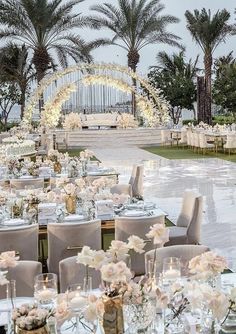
column 45, row 171
column 104, row 209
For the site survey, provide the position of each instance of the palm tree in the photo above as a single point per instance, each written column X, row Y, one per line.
column 46, row 27
column 176, row 64
column 16, row 67
column 208, row 31
column 135, row 24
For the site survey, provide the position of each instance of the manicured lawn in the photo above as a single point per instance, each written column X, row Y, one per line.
column 173, row 152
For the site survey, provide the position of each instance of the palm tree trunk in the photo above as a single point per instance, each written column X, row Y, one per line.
column 208, row 100
column 133, row 60
column 41, row 61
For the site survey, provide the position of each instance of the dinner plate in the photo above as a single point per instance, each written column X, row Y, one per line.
column 72, row 218
column 14, row 222
column 134, row 213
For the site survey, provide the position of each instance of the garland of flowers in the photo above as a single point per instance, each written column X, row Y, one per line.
column 151, row 114
column 161, row 105
column 51, row 112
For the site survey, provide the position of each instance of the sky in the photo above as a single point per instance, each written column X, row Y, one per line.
column 148, row 55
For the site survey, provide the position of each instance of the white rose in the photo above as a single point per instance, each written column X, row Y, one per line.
column 136, row 243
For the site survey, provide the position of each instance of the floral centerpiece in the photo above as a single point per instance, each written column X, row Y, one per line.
column 30, row 319
column 14, row 165
column 126, row 121
column 33, row 168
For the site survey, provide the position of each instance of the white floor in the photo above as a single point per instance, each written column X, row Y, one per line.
column 165, row 181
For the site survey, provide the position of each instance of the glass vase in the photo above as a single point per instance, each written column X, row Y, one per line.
column 229, row 325
column 71, row 204
column 140, row 316
column 113, row 321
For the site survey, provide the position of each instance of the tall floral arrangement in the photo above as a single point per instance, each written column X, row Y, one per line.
column 72, row 121
column 126, row 121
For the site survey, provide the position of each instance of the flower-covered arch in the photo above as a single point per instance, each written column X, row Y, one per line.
column 152, row 105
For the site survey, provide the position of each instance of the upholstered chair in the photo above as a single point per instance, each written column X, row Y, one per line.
column 184, row 252
column 203, row 143
column 23, row 240
column 71, row 272
column 121, row 189
column 186, row 212
column 24, row 274
column 67, row 239
column 191, row 233
column 27, row 183
column 137, row 185
column 140, row 226
column 166, row 137
column 230, row 143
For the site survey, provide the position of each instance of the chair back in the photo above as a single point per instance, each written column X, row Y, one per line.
column 67, row 239
column 184, row 252
column 196, row 139
column 230, row 141
column 133, row 175
column 183, row 138
column 137, row 186
column 71, row 272
column 24, row 274
column 27, row 183
column 120, row 189
column 165, row 136
column 194, row 227
column 24, row 240
column 125, row 227
column 186, row 213
column 202, row 140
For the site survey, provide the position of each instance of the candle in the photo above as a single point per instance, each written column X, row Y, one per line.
column 78, row 302
column 46, row 294
column 171, row 273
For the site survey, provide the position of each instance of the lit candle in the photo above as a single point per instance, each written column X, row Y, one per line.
column 46, row 294
column 78, row 302
column 171, row 273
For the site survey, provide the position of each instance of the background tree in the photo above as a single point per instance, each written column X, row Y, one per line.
column 9, row 96
column 208, row 31
column 16, row 67
column 224, row 92
column 46, row 27
column 176, row 78
column 135, row 24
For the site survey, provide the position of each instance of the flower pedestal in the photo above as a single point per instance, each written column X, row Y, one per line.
column 41, row 330
column 113, row 321
column 71, row 204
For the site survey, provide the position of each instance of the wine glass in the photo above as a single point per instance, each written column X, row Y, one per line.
column 45, row 289
column 77, row 303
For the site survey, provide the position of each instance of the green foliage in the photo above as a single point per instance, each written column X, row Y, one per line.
column 175, row 77
column 9, row 96
column 187, row 121
column 47, row 28
column 135, row 24
column 224, row 92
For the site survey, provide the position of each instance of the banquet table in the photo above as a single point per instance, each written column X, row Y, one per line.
column 228, row 281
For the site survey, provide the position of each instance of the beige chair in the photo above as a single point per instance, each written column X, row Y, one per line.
column 203, row 143
column 27, row 183
column 125, row 227
column 191, row 233
column 184, row 252
column 67, row 239
column 24, row 274
column 230, row 143
column 71, row 272
column 135, row 186
column 24, row 240
column 166, row 137
column 186, row 212
column 121, row 189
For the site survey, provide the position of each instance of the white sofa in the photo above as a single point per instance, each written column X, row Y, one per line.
column 99, row 120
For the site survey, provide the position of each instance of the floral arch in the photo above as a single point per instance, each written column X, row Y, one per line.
column 151, row 104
